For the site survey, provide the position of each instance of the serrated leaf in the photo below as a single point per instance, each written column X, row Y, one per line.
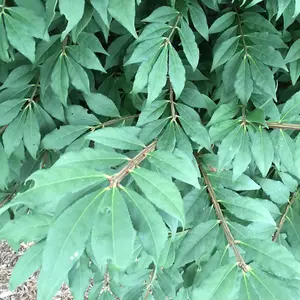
column 27, row 264
column 224, row 52
column 162, row 14
column 243, row 84
column 122, row 138
column 160, row 191
column 124, row 12
column 65, row 243
column 158, row 75
column 73, row 11
column 199, row 19
column 116, row 238
column 190, row 48
column 62, row 137
column 31, row 134
column 147, row 222
column 262, row 151
column 176, row 71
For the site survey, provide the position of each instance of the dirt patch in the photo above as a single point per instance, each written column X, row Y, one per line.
column 27, row 291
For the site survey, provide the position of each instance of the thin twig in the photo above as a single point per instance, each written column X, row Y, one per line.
column 149, row 285
column 9, row 197
column 133, row 163
column 64, row 44
column 277, row 125
column 231, row 241
column 283, row 217
column 241, row 32
column 173, row 111
column 2, row 129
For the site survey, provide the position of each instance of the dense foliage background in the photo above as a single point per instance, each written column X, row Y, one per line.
column 152, row 146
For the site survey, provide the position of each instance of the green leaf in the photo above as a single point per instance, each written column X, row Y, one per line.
column 291, row 108
column 224, row 52
column 4, row 168
column 102, row 8
column 266, row 39
column 158, row 75
column 31, row 134
column 219, row 285
column 65, row 243
column 78, row 115
column 9, row 110
column 101, row 105
column 243, row 84
column 78, row 76
column 91, row 41
column 224, row 112
column 116, row 238
column 85, row 57
column 222, row 22
column 147, row 222
column 293, row 53
column 27, row 264
column 73, row 11
column 14, row 129
column 295, row 71
column 152, row 112
column 162, row 14
column 121, row 138
column 142, row 75
column 190, row 47
column 19, row 38
column 176, row 165
column 60, row 80
column 124, row 12
column 91, row 158
column 167, row 140
column 272, row 257
column 198, row 242
column 199, row 19
column 154, row 30
column 262, row 151
column 3, row 43
column 242, row 158
column 176, row 71
column 277, row 191
column 161, row 192
column 194, row 98
column 62, row 137
column 229, row 147
column 152, row 130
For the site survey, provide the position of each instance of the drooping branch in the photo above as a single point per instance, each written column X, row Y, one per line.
column 231, row 241
column 277, row 125
column 116, row 179
column 284, row 216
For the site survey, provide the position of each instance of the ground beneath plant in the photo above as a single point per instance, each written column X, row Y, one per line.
column 27, row 291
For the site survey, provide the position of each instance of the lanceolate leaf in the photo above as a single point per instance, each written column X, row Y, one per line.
column 199, row 19
column 9, row 110
column 4, row 167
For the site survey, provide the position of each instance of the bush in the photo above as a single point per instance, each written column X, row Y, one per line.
column 129, row 158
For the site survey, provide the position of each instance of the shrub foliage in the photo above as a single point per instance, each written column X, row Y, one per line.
column 152, row 146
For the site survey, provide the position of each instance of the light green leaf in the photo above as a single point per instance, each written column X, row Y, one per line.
column 78, row 76
column 224, row 52
column 9, row 110
column 51, row 103
column 199, row 19
column 291, row 108
column 224, row 112
column 267, row 39
column 91, row 41
column 3, row 43
column 272, row 257
column 167, row 140
column 50, row 13
column 116, row 237
column 15, row 130
column 31, row 134
column 60, row 80
column 65, row 244
column 78, row 115
column 19, row 38
column 27, row 264
column 147, row 222
column 152, row 31
column 62, row 137
column 230, row 70
column 176, row 71
column 293, row 53
column 152, row 130
column 121, row 138
column 222, row 22
column 243, row 84
column 190, row 47
column 243, row 158
column 162, row 14
column 219, row 285
column 278, row 192
column 161, row 192
column 152, row 112
column 142, row 75
column 102, row 8
column 286, row 150
column 176, row 166
column 262, row 151
column 124, row 12
column 101, row 105
column 229, row 147
column 4, row 168
column 194, row 98
column 295, row 71
column 198, row 242
column 73, row 11
column 86, row 57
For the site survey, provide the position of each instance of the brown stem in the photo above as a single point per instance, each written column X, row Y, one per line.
column 64, row 44
column 283, row 217
column 2, row 129
column 174, row 28
column 278, row 125
column 149, row 285
column 116, row 179
column 231, row 241
column 9, row 197
column 173, row 111
column 241, row 32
